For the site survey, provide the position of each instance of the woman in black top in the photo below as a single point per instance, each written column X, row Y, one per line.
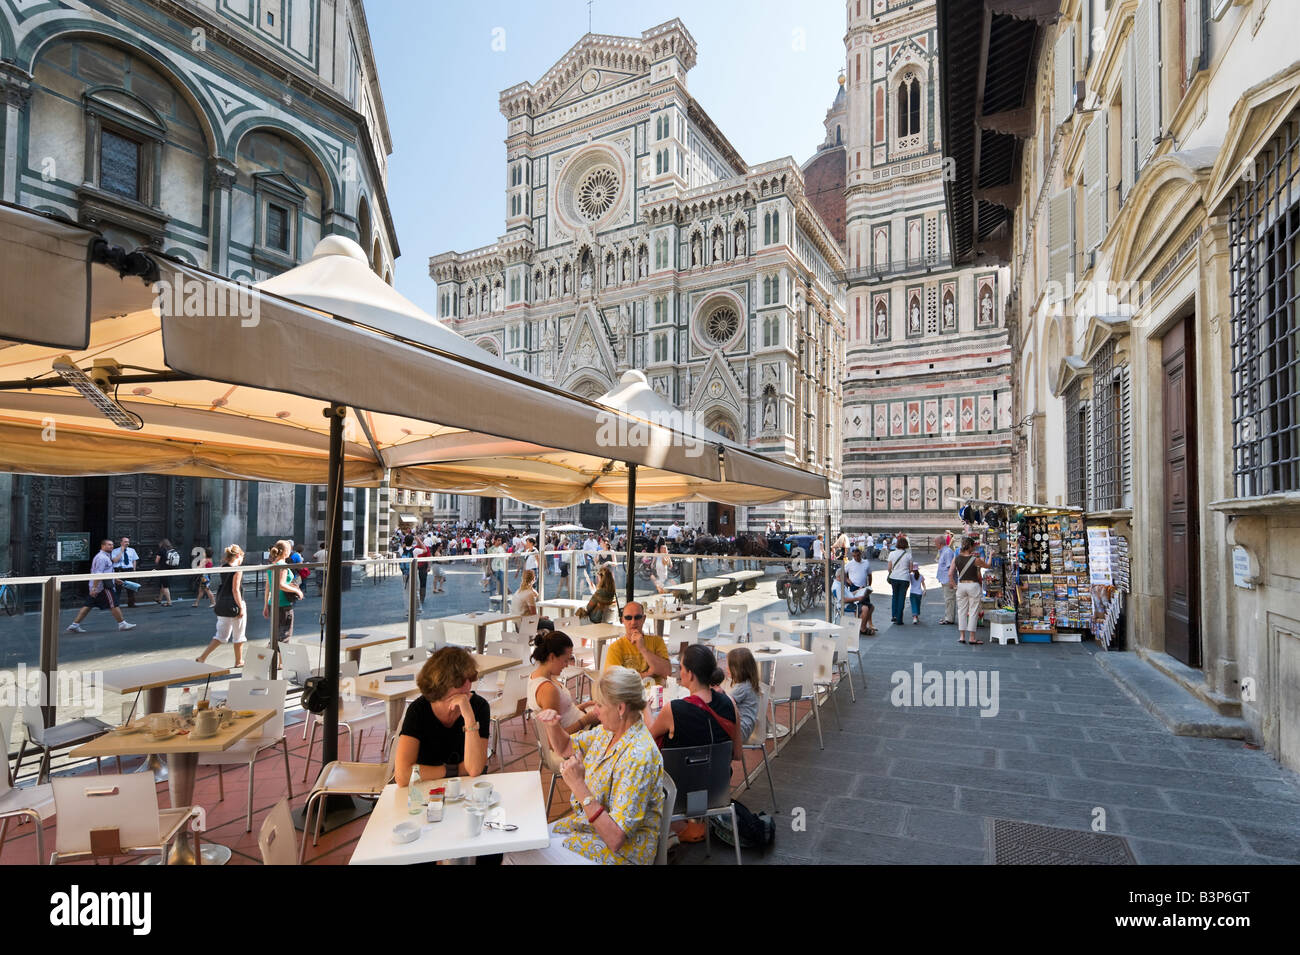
column 689, row 722
column 965, row 574
column 445, row 731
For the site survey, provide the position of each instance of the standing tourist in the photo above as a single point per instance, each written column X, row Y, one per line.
column 101, row 596
column 916, row 590
column 166, row 558
column 899, row 564
column 125, row 560
column 945, row 552
column 965, row 576
column 281, row 582
column 205, row 582
column 232, row 613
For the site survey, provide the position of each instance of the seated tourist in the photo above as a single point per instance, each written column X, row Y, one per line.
column 604, row 600
column 445, row 731
column 742, row 669
column 524, row 600
column 646, row 653
column 704, row 717
column 553, row 652
column 614, row 772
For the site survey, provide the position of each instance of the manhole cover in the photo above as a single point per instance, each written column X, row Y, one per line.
column 1023, row 843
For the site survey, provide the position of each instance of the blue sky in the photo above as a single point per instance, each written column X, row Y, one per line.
column 765, row 73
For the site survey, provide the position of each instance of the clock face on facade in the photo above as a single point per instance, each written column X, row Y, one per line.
column 590, row 79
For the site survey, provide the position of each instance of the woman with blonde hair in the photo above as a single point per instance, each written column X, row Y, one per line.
column 615, row 774
column 524, row 600
column 232, row 615
column 284, row 586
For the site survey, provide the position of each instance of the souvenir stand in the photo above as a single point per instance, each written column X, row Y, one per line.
column 1040, row 567
column 1108, row 570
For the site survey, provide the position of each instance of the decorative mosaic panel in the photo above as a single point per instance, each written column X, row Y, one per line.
column 985, row 421
column 913, row 417
column 949, row 416
column 914, row 492
column 881, row 416
column 897, row 421
column 897, row 493
column 966, row 414
column 882, row 494
column 932, row 493
column 931, row 418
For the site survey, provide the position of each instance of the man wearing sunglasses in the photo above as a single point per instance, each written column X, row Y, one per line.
column 647, row 654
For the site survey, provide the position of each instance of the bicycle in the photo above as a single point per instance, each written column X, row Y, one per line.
column 8, row 597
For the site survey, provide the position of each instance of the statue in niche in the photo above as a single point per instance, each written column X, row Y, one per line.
column 568, row 282
column 550, row 284
column 717, row 246
column 949, row 319
column 627, row 266
column 769, row 413
column 914, row 318
column 882, row 324
column 609, row 270
column 642, row 262
column 740, row 240
column 695, row 249
column 585, row 282
column 986, row 308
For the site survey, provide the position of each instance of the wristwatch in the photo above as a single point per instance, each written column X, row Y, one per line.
column 588, row 801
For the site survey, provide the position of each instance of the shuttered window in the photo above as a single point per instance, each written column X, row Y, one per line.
column 1094, row 183
column 1128, row 124
column 1063, row 100
column 1060, row 237
column 1146, row 52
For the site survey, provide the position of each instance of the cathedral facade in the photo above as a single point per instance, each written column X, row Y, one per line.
column 927, row 400
column 637, row 237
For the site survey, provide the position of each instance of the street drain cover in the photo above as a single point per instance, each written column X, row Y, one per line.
column 1023, row 843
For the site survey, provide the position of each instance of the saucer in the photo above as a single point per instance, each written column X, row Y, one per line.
column 494, row 801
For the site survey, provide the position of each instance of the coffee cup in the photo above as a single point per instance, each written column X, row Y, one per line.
column 160, row 725
column 482, row 793
column 202, row 705
column 206, row 724
column 225, row 715
column 452, row 787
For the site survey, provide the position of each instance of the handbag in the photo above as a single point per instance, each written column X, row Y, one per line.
column 317, row 694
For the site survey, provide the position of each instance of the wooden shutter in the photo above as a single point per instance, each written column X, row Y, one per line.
column 1060, row 236
column 1128, row 109
column 1089, row 439
column 1094, row 182
column 1063, row 101
column 1193, row 36
column 1146, row 53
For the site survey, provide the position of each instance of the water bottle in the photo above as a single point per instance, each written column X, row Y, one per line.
column 414, row 804
column 186, row 708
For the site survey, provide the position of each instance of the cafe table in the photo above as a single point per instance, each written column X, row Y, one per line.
column 395, row 692
column 182, row 752
column 154, row 678
column 804, row 630
column 766, row 653
column 522, row 804
column 353, row 643
column 480, row 620
column 598, row 633
column 661, row 617
column 562, row 603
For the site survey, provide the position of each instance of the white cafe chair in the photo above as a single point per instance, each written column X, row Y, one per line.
column 733, row 623
column 113, row 815
column 31, row 802
column 253, row 695
column 355, row 717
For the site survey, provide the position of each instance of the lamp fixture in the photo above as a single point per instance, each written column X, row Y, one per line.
column 94, row 388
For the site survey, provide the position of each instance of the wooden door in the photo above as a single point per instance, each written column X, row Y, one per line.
column 1182, row 593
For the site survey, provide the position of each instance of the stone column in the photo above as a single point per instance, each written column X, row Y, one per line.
column 222, row 174
column 17, row 87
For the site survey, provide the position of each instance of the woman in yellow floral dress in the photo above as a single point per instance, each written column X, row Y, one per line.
column 614, row 772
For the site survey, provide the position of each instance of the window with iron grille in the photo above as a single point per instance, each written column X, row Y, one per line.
column 1108, row 450
column 119, row 164
column 1264, row 234
column 1076, row 448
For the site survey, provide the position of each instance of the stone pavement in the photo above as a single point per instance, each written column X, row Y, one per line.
column 923, row 784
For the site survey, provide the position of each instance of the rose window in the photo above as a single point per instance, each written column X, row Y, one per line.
column 596, row 193
column 721, row 325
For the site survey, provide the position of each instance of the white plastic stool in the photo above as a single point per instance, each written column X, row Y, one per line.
column 1002, row 632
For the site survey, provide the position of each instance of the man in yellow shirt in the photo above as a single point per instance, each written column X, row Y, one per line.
column 646, row 653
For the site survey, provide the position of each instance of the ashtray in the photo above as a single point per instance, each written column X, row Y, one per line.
column 406, row 832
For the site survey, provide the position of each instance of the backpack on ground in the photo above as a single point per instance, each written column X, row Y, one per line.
column 756, row 831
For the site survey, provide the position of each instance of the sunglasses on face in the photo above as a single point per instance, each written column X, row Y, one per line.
column 639, row 616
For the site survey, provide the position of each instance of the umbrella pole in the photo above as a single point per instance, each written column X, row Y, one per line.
column 631, row 537
column 541, row 549
column 336, row 810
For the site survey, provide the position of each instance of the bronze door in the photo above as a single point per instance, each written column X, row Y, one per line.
column 1182, row 597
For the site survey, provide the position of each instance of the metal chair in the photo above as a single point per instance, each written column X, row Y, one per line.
column 257, row 663
column 47, row 739
column 758, row 739
column 846, row 642
column 511, row 703
column 353, row 713
column 402, row 658
column 824, row 671
column 550, row 761
column 792, row 682
column 253, row 695
column 33, row 802
column 275, row 839
column 106, row 816
column 665, row 818
column 433, row 636
column 702, row 776
column 733, row 622
column 345, row 779
column 526, row 627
